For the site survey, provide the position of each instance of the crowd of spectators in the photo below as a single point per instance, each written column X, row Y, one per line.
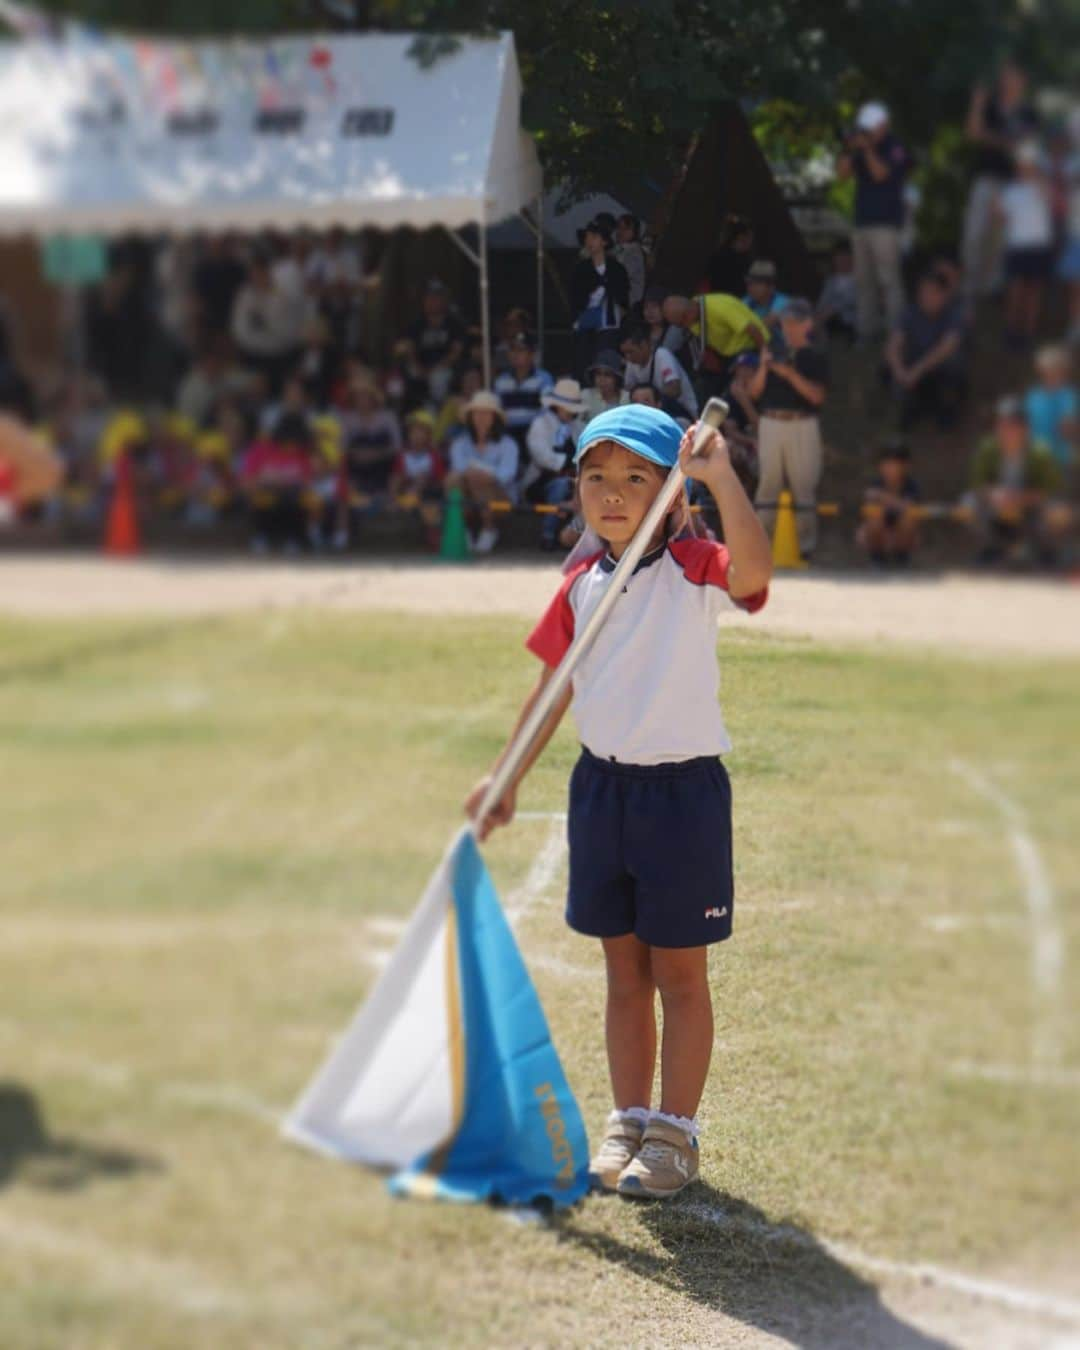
column 278, row 416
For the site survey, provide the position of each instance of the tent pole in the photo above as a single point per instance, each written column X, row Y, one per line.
column 485, row 317
column 540, row 271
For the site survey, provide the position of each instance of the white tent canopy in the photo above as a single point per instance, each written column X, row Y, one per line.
column 113, row 135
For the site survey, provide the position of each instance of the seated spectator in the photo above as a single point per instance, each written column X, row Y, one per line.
column 315, row 361
column 274, row 476
column 1053, row 405
column 790, row 388
column 925, row 356
column 371, row 436
column 213, row 375
column 722, row 327
column 329, row 487
column 520, row 386
column 294, row 399
column 1014, row 485
column 419, row 472
column 661, row 333
column 629, row 252
column 659, row 367
column 606, row 385
column 728, row 264
column 761, row 294
column 1023, row 206
column 645, row 393
column 890, row 528
column 836, row 307
column 553, row 437
column 599, row 293
column 450, row 421
column 484, row 465
column 214, row 490
column 262, row 325
column 437, row 340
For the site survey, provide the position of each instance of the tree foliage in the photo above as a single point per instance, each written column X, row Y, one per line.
column 615, row 88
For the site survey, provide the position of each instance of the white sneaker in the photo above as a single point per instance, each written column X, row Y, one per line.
column 486, row 540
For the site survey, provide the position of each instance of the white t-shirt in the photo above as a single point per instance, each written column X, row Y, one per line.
column 646, row 690
column 1028, row 223
column 664, row 367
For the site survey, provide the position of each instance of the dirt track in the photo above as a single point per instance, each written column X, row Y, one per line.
column 956, row 611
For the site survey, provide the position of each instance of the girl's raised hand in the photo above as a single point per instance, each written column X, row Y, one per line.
column 714, row 454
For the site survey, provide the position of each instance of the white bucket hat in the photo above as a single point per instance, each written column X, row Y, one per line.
column 566, row 394
column 484, row 401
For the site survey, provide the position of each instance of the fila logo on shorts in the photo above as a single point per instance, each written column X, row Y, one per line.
column 716, row 912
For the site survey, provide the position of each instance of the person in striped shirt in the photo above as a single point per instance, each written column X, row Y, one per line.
column 519, row 388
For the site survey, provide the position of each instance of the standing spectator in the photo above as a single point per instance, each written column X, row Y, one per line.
column 925, row 356
column 336, row 262
column 629, row 252
column 880, row 165
column 836, row 306
column 484, row 465
column 437, row 340
column 1070, row 256
column 1014, row 480
column 1053, row 405
column 217, row 280
column 553, row 438
column 262, row 325
column 720, row 327
column 519, row 387
column 660, row 368
column 606, row 391
column 513, row 322
column 998, row 121
column 599, row 293
column 290, row 273
column 728, row 264
column 1024, row 207
column 661, row 333
column 890, row 528
column 761, row 294
column 790, row 390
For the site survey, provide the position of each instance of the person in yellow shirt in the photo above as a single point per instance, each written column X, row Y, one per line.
column 720, row 327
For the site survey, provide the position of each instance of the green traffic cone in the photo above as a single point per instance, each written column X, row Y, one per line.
column 454, row 545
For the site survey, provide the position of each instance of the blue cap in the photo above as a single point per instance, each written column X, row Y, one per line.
column 644, row 431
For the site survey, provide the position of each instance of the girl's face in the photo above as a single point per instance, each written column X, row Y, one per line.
column 607, row 383
column 616, row 489
column 419, row 436
column 652, row 312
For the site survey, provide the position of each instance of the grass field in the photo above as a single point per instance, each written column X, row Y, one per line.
column 209, row 830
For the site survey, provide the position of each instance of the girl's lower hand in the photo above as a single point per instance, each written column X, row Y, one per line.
column 714, row 456
column 502, row 813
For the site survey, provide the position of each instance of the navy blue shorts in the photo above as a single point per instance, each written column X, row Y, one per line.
column 650, row 851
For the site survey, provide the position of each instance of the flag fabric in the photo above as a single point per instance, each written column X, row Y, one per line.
column 447, row 1074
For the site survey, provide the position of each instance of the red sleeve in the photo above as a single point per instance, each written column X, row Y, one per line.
column 705, row 563
column 552, row 636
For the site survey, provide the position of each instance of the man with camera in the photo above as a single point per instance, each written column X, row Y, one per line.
column 880, row 166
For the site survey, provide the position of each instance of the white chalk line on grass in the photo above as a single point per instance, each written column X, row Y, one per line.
column 1022, row 1075
column 1028, row 1301
column 544, row 869
column 1047, row 939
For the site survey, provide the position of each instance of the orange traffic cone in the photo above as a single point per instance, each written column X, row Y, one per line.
column 122, row 523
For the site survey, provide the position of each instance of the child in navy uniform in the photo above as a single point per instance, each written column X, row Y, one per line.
column 650, row 802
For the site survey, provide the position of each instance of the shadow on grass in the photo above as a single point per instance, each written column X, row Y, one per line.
column 56, row 1164
column 726, row 1255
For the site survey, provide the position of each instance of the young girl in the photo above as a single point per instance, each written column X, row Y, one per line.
column 650, row 803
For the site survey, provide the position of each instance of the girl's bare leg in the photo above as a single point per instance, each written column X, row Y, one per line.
column 630, row 1021
column 682, row 977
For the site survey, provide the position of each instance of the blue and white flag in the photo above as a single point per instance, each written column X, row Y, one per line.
column 447, row 1074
